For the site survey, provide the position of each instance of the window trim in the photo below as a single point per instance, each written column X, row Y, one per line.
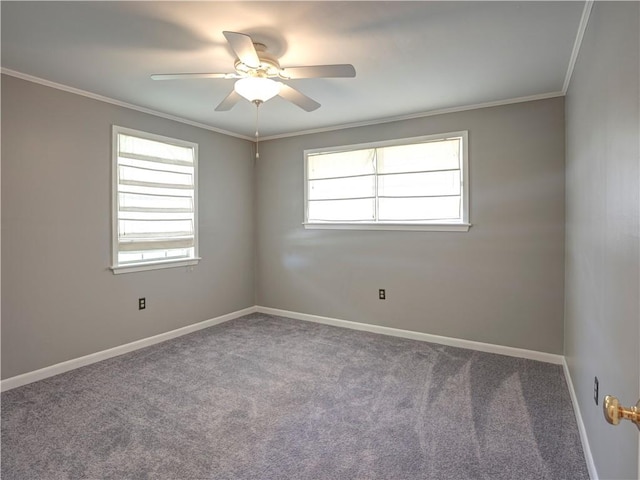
column 454, row 226
column 157, row 264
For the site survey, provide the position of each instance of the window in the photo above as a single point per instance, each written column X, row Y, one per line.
column 155, row 217
column 411, row 184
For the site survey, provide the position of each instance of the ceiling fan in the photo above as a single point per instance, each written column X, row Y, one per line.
column 260, row 76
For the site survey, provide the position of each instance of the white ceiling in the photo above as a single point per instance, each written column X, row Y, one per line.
column 410, row 57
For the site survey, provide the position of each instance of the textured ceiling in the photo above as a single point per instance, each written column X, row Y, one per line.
column 410, row 57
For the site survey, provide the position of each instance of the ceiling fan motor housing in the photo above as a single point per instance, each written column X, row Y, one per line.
column 269, row 65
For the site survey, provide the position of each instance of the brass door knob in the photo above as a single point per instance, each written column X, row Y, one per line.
column 613, row 412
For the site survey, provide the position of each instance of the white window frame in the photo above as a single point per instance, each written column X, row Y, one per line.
column 461, row 225
column 148, row 265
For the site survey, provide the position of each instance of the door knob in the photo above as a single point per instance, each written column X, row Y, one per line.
column 613, row 412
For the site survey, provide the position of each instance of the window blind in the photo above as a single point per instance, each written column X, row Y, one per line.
column 155, row 200
column 399, row 183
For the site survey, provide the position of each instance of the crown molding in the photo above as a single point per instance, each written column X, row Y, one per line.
column 101, row 98
column 112, row 101
column 431, row 113
column 584, row 20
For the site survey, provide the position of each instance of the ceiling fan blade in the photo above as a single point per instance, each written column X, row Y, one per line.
column 298, row 98
column 187, row 76
column 243, row 47
column 228, row 102
column 320, row 71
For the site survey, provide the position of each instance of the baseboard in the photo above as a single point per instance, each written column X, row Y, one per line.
column 58, row 368
column 62, row 367
column 591, row 466
column 425, row 337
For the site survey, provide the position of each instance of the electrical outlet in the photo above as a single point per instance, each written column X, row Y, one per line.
column 142, row 303
column 596, row 387
column 382, row 294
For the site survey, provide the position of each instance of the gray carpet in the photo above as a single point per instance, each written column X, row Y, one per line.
column 265, row 397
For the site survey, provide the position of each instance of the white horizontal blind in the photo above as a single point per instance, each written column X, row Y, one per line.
column 418, row 183
column 155, row 199
column 341, row 186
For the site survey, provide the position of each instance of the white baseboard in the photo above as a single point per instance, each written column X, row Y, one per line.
column 425, row 337
column 591, row 466
column 58, row 368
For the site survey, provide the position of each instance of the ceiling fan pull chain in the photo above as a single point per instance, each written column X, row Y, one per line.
column 258, row 103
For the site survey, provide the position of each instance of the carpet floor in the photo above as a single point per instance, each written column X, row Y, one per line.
column 265, row 397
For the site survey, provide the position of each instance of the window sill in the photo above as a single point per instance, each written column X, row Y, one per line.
column 141, row 267
column 424, row 227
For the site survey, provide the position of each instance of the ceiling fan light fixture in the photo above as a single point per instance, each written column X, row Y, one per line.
column 257, row 88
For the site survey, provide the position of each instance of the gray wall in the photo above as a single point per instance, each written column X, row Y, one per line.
column 602, row 246
column 59, row 300
column 501, row 282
